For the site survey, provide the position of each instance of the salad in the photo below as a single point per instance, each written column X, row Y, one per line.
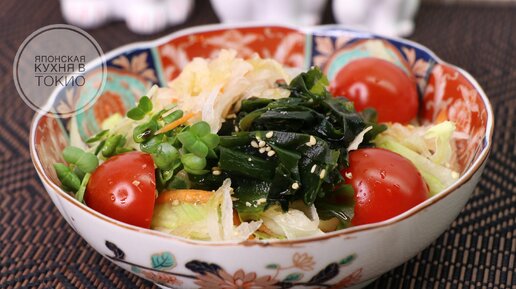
column 236, row 149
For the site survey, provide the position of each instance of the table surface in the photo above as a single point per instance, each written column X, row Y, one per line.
column 39, row 250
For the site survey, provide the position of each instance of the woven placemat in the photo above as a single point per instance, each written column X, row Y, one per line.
column 39, row 250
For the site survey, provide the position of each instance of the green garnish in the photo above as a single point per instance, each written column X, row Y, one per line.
column 86, row 162
column 99, row 136
column 79, row 196
column 69, row 180
column 198, row 139
column 144, row 106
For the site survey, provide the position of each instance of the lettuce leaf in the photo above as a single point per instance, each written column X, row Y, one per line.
column 293, row 223
column 212, row 221
column 429, row 148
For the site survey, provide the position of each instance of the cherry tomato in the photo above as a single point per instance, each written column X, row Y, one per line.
column 377, row 83
column 123, row 188
column 385, row 184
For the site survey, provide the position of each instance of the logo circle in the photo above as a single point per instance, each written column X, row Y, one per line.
column 54, row 65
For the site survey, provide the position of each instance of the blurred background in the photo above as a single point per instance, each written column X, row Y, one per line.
column 39, row 250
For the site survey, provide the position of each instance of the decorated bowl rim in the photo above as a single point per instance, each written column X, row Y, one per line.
column 463, row 179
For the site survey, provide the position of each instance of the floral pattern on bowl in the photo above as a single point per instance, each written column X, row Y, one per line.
column 298, row 274
column 285, row 45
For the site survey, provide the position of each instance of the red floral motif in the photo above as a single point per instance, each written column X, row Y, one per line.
column 450, row 96
column 283, row 44
column 461, row 109
column 50, row 142
column 162, row 278
column 239, row 280
column 108, row 104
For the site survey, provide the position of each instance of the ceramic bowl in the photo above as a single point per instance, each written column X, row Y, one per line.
column 353, row 257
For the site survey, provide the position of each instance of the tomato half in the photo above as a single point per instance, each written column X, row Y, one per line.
column 123, row 188
column 380, row 84
column 385, row 184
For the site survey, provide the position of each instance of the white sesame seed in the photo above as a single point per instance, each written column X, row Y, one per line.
column 249, row 159
column 216, row 173
column 271, row 153
column 268, row 149
column 455, row 175
column 261, row 201
column 175, row 202
column 313, row 169
column 234, row 199
column 295, row 186
column 322, row 174
column 236, row 128
column 247, row 204
column 136, row 183
column 261, row 143
column 269, row 134
column 261, row 150
column 348, row 175
column 254, row 144
column 312, row 141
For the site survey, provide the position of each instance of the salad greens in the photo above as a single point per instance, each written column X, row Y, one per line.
column 275, row 165
column 76, row 174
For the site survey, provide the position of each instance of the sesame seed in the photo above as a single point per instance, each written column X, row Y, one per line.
column 249, row 159
column 322, row 174
column 216, row 173
column 236, row 128
column 271, row 153
column 295, row 186
column 175, row 202
column 455, row 175
column 261, row 201
column 313, row 169
column 261, row 150
column 247, row 204
column 261, row 144
column 254, row 144
column 348, row 175
column 269, row 134
column 136, row 183
column 268, row 149
column 312, row 141
column 234, row 199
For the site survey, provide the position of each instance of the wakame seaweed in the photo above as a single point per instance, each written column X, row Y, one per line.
column 293, row 148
